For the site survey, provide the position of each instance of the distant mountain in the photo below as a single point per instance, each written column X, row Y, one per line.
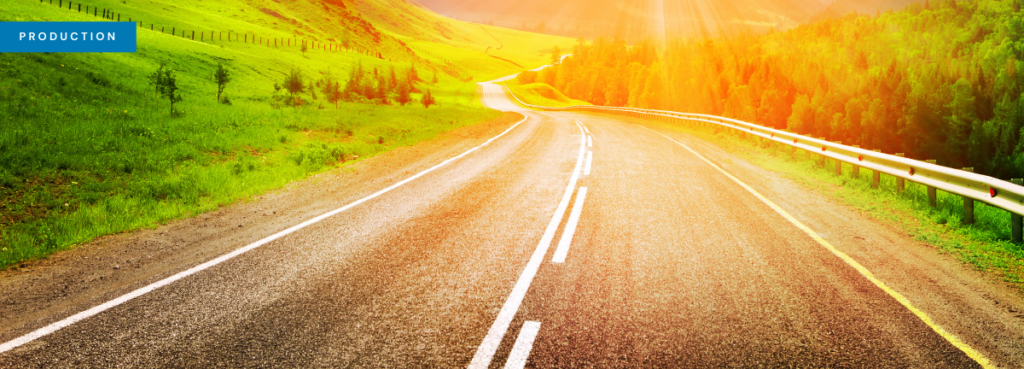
column 842, row 7
column 633, row 19
column 636, row 19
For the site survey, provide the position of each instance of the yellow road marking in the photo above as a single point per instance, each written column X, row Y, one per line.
column 967, row 349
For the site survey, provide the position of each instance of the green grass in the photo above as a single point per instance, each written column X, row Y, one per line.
column 541, row 94
column 86, row 149
column 985, row 245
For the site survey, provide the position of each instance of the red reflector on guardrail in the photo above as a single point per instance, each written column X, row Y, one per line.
column 911, row 171
column 823, row 148
column 860, row 157
column 992, row 192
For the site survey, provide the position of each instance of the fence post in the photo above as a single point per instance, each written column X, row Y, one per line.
column 932, row 196
column 876, row 176
column 173, row 33
column 193, row 35
column 1016, row 220
column 60, row 3
column 899, row 180
column 968, row 204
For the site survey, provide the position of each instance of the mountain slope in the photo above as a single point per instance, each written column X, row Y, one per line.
column 88, row 148
column 634, row 19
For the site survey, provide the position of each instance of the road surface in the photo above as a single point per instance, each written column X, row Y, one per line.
column 558, row 240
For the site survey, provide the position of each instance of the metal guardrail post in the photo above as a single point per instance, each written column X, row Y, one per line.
column 968, row 204
column 932, row 195
column 900, row 183
column 839, row 163
column 1016, row 220
column 876, row 177
column 856, row 168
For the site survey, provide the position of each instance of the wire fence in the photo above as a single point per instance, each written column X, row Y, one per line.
column 214, row 36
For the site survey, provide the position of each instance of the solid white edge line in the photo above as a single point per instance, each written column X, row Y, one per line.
column 7, row 346
column 590, row 161
column 524, row 344
column 927, row 320
column 485, row 353
column 570, row 228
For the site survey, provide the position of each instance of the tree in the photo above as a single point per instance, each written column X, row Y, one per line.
column 802, row 118
column 392, row 80
column 156, row 79
column 354, row 86
column 403, row 91
column 556, row 54
column 293, row 83
column 222, row 77
column 428, row 100
column 304, row 48
column 168, row 86
column 413, row 76
column 435, row 78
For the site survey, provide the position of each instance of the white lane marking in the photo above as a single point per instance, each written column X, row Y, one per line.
column 590, row 141
column 584, row 127
column 570, row 227
column 7, row 346
column 963, row 346
column 590, row 161
column 521, row 350
column 484, row 353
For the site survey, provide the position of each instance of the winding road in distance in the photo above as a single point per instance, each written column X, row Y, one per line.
column 554, row 240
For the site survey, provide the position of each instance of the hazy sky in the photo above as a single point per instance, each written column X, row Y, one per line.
column 645, row 18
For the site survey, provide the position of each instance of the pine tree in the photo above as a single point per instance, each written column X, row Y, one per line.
column 404, row 90
column 392, row 80
column 168, row 87
column 222, row 77
column 293, row 83
column 428, row 100
column 354, row 86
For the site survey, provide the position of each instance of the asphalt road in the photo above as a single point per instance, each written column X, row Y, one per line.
column 571, row 240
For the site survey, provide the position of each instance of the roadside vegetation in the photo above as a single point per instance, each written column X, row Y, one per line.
column 96, row 144
column 939, row 80
column 985, row 245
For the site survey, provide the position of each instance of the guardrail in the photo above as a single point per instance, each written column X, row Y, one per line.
column 972, row 187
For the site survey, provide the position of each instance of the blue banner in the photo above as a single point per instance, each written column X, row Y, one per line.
column 68, row 37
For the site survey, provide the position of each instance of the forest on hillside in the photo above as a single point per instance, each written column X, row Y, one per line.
column 939, row 80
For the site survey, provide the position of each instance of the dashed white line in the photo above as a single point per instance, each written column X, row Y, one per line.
column 570, row 228
column 485, row 353
column 10, row 345
column 590, row 161
column 590, row 141
column 521, row 350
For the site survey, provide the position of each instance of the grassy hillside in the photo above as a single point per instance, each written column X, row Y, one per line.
column 477, row 51
column 87, row 148
column 541, row 94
